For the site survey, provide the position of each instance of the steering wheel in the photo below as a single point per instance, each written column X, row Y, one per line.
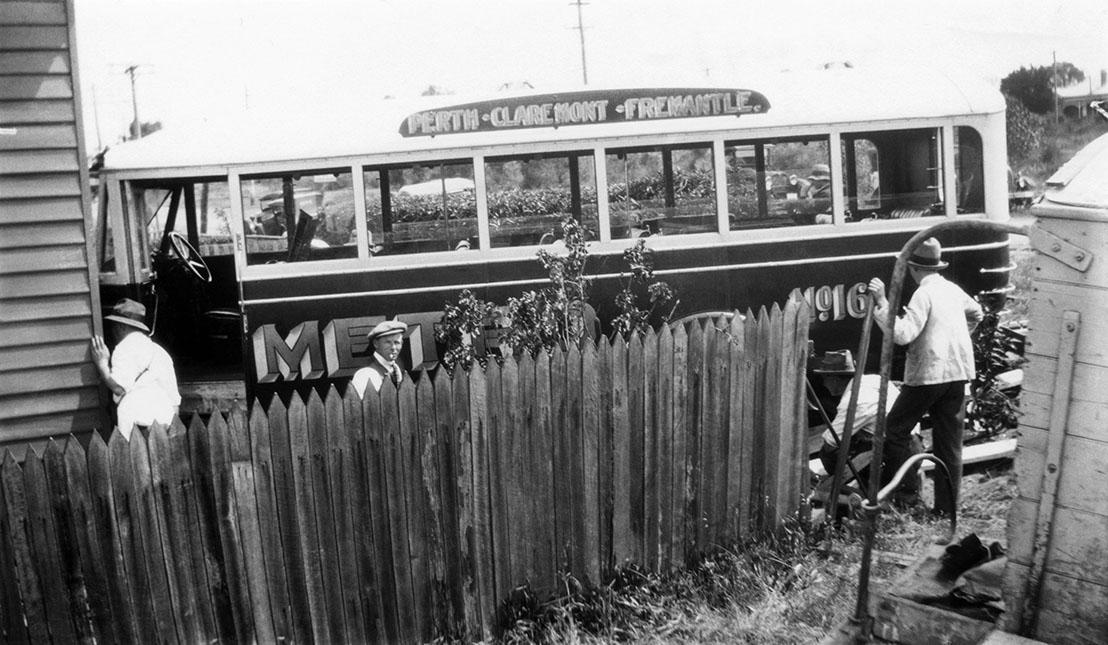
column 190, row 256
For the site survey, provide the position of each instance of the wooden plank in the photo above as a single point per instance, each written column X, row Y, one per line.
column 801, row 321
column 34, row 62
column 1081, row 463
column 55, row 184
column 36, row 137
column 12, row 625
column 197, row 491
column 694, row 425
column 542, row 460
column 305, row 516
column 1088, row 419
column 13, row 12
column 125, row 492
column 590, row 400
column 754, row 441
column 15, row 37
column 735, row 463
column 651, row 518
column 106, row 547
column 445, row 442
column 788, row 423
column 716, row 434
column 605, row 464
column 45, row 307
column 1077, row 543
column 525, row 533
column 331, row 452
column 324, row 522
column 573, row 466
column 429, row 488
column 63, row 376
column 680, row 377
column 622, row 547
column 513, row 459
column 1091, row 238
column 359, row 514
column 177, row 529
column 23, row 162
column 481, row 525
column 1048, row 303
column 19, row 542
column 44, row 550
column 395, row 466
column 377, row 458
column 37, row 211
column 225, row 532
column 463, row 473
column 253, row 549
column 18, row 113
column 1072, row 610
column 14, row 87
column 501, row 565
column 662, row 399
column 61, row 282
column 563, row 488
column 72, row 542
column 413, row 477
column 770, row 420
column 636, row 445
column 25, row 405
column 262, row 470
column 43, row 258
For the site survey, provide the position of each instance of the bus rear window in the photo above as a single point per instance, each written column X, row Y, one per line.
column 661, row 190
column 529, row 197
column 300, row 216
column 421, row 208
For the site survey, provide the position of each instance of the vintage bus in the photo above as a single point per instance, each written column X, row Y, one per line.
column 266, row 248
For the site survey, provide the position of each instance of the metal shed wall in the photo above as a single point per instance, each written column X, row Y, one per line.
column 49, row 303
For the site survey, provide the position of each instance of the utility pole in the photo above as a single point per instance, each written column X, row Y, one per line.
column 136, row 125
column 581, row 34
column 1054, row 82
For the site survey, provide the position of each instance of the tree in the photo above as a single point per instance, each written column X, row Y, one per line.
column 1033, row 87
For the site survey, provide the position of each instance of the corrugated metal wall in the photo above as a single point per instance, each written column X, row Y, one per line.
column 48, row 296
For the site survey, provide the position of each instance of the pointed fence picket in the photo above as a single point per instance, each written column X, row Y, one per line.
column 417, row 511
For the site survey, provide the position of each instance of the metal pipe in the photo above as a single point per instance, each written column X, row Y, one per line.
column 862, row 618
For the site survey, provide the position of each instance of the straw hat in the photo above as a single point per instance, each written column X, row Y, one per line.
column 130, row 313
column 928, row 256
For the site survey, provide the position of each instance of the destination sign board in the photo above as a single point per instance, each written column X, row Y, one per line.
column 583, row 108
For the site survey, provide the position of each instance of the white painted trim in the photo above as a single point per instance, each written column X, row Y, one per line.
column 838, row 206
column 361, row 225
column 719, row 168
column 603, row 215
column 484, row 236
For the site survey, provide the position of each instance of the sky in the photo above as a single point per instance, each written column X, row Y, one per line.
column 201, row 59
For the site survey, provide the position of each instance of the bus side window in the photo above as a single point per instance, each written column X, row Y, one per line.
column 776, row 183
column 421, row 208
column 969, row 170
column 529, row 197
column 897, row 174
column 661, row 190
column 299, row 216
column 105, row 241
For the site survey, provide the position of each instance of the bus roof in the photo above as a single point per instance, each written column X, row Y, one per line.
column 341, row 127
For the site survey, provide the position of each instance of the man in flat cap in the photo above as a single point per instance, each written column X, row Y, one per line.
column 936, row 328
column 387, row 339
column 137, row 371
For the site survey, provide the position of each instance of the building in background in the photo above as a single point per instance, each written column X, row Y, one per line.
column 49, row 300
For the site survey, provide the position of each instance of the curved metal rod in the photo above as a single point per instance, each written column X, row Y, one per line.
column 902, row 472
column 896, row 284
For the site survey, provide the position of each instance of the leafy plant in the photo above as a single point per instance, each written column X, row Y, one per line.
column 997, row 348
column 559, row 314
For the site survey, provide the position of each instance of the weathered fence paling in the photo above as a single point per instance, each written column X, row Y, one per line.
column 417, row 511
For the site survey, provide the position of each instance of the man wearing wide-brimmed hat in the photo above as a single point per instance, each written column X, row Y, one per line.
column 936, row 328
column 836, row 370
column 137, row 371
column 387, row 340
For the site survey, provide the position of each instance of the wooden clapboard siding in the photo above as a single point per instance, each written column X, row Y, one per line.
column 414, row 513
column 49, row 305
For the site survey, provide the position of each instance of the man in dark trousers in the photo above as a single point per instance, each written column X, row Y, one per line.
column 936, row 327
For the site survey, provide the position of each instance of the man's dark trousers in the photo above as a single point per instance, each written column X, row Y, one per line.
column 946, row 403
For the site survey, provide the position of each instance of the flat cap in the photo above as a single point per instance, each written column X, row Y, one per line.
column 387, row 328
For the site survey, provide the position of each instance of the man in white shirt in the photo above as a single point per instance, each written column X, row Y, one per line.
column 936, row 327
column 836, row 369
column 387, row 339
column 137, row 371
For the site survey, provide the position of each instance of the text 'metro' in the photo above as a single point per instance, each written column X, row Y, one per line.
column 583, row 108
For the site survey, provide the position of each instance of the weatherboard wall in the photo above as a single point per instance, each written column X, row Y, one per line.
column 48, row 298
